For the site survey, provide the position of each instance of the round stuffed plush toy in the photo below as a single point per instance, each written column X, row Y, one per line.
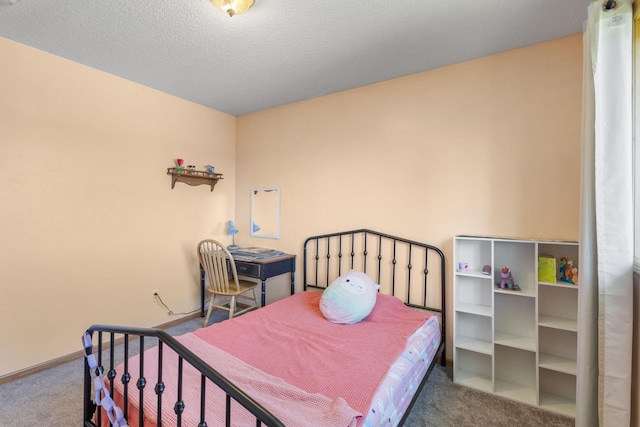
column 349, row 299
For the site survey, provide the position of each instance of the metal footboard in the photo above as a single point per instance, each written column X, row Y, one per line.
column 93, row 416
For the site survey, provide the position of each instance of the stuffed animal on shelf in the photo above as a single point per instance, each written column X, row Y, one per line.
column 574, row 275
column 506, row 279
column 568, row 273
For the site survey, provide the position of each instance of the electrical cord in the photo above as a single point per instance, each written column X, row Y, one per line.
column 169, row 311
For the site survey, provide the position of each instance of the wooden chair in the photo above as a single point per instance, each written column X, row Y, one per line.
column 220, row 271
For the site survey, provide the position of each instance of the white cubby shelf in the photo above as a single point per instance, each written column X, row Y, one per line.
column 517, row 344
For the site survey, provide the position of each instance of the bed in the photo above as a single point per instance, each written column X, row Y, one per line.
column 284, row 364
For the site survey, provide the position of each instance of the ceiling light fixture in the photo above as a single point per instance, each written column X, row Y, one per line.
column 233, row 7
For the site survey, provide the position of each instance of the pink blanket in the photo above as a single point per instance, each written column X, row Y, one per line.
column 294, row 407
column 290, row 339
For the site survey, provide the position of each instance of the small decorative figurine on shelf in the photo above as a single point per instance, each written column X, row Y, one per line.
column 179, row 163
column 462, row 266
column 486, row 269
column 210, row 169
column 506, row 280
column 568, row 273
column 191, row 168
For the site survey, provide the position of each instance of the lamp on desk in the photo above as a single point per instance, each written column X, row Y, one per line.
column 232, row 230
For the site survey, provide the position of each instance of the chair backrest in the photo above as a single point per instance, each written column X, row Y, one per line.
column 221, row 273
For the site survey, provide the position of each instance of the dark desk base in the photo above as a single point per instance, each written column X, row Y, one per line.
column 262, row 269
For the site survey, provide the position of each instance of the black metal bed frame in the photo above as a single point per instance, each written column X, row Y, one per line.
column 93, row 414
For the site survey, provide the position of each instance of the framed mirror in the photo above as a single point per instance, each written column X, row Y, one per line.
column 265, row 212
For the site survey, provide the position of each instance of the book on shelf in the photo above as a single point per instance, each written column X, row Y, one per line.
column 546, row 269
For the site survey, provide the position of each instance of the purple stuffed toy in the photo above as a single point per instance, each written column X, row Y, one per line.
column 506, row 281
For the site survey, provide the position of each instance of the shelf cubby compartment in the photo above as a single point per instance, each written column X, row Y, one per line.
column 558, row 250
column 473, row 295
column 519, row 257
column 558, row 392
column 475, row 252
column 473, row 370
column 514, row 322
column 558, row 307
column 474, row 333
column 558, row 350
column 515, row 374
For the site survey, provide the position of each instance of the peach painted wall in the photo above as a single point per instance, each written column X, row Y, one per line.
column 488, row 147
column 89, row 224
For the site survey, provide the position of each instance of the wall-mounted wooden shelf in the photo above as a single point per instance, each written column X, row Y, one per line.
column 193, row 177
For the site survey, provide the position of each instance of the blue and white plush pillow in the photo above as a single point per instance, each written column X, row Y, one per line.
column 349, row 299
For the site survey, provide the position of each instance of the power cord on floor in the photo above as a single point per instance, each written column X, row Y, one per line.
column 169, row 311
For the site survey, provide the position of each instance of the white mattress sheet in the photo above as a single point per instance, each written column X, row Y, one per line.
column 404, row 377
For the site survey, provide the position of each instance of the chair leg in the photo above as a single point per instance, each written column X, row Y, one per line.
column 255, row 298
column 206, row 319
column 232, row 307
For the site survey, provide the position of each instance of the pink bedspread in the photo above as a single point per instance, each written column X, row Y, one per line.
column 292, row 406
column 314, row 354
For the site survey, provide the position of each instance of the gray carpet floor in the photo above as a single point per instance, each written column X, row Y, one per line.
column 53, row 398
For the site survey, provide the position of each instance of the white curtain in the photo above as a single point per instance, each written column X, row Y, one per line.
column 605, row 306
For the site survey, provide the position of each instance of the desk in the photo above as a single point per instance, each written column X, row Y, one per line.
column 262, row 269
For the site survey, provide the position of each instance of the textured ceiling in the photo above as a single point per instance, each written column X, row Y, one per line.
column 280, row 51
